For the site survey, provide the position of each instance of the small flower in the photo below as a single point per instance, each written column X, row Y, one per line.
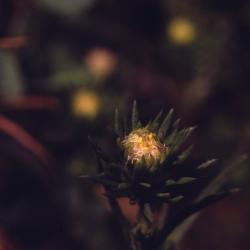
column 100, row 62
column 181, row 31
column 143, row 147
column 86, row 104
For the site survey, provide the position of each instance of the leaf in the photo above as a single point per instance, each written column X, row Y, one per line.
column 176, row 199
column 134, row 116
column 207, row 164
column 163, row 195
column 184, row 155
column 154, row 125
column 145, row 184
column 223, row 177
column 172, row 138
column 177, row 124
column 185, row 180
column 117, row 124
column 182, row 136
column 165, row 125
column 170, row 182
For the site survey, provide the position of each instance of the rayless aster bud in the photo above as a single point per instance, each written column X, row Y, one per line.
column 143, row 148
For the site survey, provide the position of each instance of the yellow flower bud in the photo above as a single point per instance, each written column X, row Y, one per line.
column 143, row 148
column 181, row 31
column 86, row 104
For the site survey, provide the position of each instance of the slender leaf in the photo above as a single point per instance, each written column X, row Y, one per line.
column 207, row 164
column 134, row 116
column 182, row 136
column 145, row 184
column 170, row 182
column 176, row 199
column 165, row 125
column 117, row 124
column 163, row 195
column 184, row 155
column 154, row 125
column 185, row 180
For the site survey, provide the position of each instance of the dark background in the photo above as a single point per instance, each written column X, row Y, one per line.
column 64, row 67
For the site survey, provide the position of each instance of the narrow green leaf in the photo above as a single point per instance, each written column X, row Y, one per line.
column 134, row 116
column 185, row 180
column 154, row 125
column 173, row 137
column 184, row 155
column 207, row 164
column 176, row 124
column 145, row 184
column 117, row 125
column 176, row 199
column 182, row 136
column 165, row 125
column 170, row 140
column 170, row 182
column 163, row 195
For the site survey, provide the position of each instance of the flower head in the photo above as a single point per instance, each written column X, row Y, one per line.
column 142, row 147
column 181, row 31
column 86, row 104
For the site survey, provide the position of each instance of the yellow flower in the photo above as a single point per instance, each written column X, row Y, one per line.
column 86, row 104
column 142, row 147
column 181, row 31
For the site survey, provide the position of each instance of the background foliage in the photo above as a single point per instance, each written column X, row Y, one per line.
column 65, row 66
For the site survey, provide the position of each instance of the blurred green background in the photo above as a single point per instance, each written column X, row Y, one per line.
column 64, row 67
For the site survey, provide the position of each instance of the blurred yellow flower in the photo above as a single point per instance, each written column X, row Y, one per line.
column 86, row 104
column 142, row 147
column 181, row 31
column 100, row 62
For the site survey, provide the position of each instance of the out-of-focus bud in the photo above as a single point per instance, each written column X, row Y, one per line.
column 181, row 31
column 143, row 148
column 100, row 62
column 86, row 104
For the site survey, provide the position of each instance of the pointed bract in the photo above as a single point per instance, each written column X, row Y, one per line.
column 185, row 180
column 165, row 125
column 154, row 125
column 176, row 199
column 184, row 155
column 170, row 182
column 163, row 195
column 182, row 136
column 207, row 164
column 134, row 116
column 117, row 122
column 146, row 185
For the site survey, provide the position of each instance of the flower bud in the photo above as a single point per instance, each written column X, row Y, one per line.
column 143, row 148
